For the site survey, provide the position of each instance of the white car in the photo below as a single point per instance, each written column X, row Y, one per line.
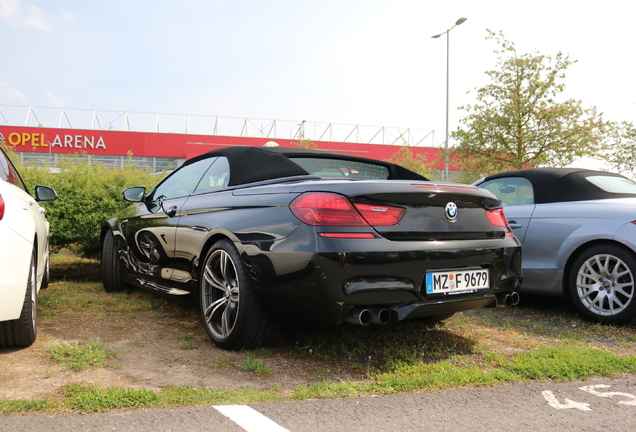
column 24, row 255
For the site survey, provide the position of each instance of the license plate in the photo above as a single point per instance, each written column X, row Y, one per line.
column 457, row 281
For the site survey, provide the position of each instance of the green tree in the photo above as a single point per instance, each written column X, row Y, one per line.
column 415, row 162
column 305, row 142
column 620, row 149
column 519, row 121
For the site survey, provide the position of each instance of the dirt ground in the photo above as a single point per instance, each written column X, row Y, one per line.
column 155, row 349
column 150, row 354
column 169, row 347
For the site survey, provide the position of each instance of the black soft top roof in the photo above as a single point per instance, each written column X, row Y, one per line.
column 253, row 164
column 563, row 184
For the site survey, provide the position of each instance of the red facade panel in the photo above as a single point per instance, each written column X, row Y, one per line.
column 149, row 144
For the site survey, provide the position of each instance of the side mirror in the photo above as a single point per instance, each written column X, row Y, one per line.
column 134, row 194
column 45, row 193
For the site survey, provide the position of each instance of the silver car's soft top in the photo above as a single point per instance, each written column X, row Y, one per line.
column 571, row 184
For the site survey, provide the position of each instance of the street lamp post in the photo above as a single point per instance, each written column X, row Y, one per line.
column 459, row 21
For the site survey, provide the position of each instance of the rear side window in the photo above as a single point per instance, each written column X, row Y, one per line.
column 613, row 184
column 511, row 190
column 216, row 177
column 342, row 168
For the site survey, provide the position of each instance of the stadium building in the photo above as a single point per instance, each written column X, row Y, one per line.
column 158, row 141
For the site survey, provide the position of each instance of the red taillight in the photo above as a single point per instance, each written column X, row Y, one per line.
column 380, row 215
column 326, row 209
column 497, row 217
column 1, row 207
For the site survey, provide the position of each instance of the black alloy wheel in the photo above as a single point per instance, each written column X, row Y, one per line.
column 603, row 284
column 231, row 315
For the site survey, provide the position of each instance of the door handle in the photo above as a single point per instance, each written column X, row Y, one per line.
column 514, row 224
column 172, row 211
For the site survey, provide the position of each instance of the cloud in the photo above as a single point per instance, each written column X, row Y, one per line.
column 54, row 100
column 9, row 9
column 10, row 92
column 33, row 17
column 68, row 15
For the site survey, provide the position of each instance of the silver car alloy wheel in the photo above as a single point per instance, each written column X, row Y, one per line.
column 220, row 294
column 605, row 284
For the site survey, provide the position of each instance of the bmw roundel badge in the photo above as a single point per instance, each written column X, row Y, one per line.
column 451, row 211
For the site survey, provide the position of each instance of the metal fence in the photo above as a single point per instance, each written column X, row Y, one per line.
column 196, row 124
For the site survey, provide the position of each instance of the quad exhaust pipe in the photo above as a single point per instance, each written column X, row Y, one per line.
column 380, row 315
column 364, row 316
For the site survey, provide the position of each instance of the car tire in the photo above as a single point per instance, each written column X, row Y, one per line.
column 23, row 331
column 112, row 269
column 602, row 284
column 231, row 315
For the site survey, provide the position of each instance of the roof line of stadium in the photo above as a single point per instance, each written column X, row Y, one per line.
column 200, row 124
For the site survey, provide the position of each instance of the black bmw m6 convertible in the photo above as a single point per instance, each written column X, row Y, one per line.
column 264, row 236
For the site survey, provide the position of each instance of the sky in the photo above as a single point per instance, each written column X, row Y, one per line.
column 367, row 62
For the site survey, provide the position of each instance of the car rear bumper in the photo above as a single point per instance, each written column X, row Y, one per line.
column 323, row 287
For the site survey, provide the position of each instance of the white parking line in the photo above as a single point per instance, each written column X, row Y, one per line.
column 249, row 419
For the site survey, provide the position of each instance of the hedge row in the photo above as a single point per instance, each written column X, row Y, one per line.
column 88, row 195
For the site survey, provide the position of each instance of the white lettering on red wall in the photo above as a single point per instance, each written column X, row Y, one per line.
column 65, row 141
column 78, row 142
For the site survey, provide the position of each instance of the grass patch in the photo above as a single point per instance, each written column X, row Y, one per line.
column 224, row 362
column 75, row 299
column 29, row 405
column 87, row 398
column 568, row 363
column 79, row 357
column 251, row 364
column 187, row 342
column 560, row 363
column 564, row 363
column 68, row 266
column 373, row 347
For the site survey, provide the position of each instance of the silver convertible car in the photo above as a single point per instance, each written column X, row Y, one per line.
column 578, row 230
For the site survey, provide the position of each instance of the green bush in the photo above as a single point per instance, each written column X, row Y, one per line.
column 88, row 195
